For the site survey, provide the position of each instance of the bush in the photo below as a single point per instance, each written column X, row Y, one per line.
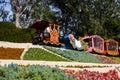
column 7, row 25
column 9, row 32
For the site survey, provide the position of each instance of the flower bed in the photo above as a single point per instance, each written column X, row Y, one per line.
column 93, row 75
column 33, row 72
column 41, row 54
column 10, row 53
column 80, row 56
column 37, row 72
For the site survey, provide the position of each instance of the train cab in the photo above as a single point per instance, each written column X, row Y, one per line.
column 47, row 32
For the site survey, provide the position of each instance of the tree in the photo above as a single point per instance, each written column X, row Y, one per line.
column 43, row 10
column 27, row 11
column 75, row 15
column 18, row 8
column 103, row 10
column 86, row 17
column 66, row 10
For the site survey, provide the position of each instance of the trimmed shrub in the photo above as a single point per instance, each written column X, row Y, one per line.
column 7, row 25
column 9, row 32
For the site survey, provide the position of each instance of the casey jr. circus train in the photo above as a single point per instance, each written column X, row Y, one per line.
column 49, row 33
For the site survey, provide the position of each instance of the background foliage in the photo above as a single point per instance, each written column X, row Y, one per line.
column 82, row 17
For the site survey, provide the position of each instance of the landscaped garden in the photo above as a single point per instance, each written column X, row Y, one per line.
column 37, row 72
column 48, row 53
column 60, row 40
column 55, row 54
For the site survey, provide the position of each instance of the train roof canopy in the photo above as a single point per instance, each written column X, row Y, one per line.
column 40, row 24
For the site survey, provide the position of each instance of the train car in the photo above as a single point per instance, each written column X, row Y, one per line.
column 95, row 43
column 111, row 47
column 47, row 33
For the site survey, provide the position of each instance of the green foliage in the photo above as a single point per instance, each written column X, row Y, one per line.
column 9, row 32
column 87, row 17
column 33, row 72
column 117, row 58
column 41, row 54
column 112, row 27
column 79, row 56
column 7, row 25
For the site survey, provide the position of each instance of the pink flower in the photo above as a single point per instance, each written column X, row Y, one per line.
column 93, row 75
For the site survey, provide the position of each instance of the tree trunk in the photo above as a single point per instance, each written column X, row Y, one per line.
column 17, row 15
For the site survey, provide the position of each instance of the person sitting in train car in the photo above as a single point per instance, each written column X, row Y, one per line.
column 46, row 34
column 75, row 43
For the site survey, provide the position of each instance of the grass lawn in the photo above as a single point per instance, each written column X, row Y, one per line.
column 41, row 54
column 115, row 58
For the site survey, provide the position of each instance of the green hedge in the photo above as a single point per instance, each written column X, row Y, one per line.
column 9, row 32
